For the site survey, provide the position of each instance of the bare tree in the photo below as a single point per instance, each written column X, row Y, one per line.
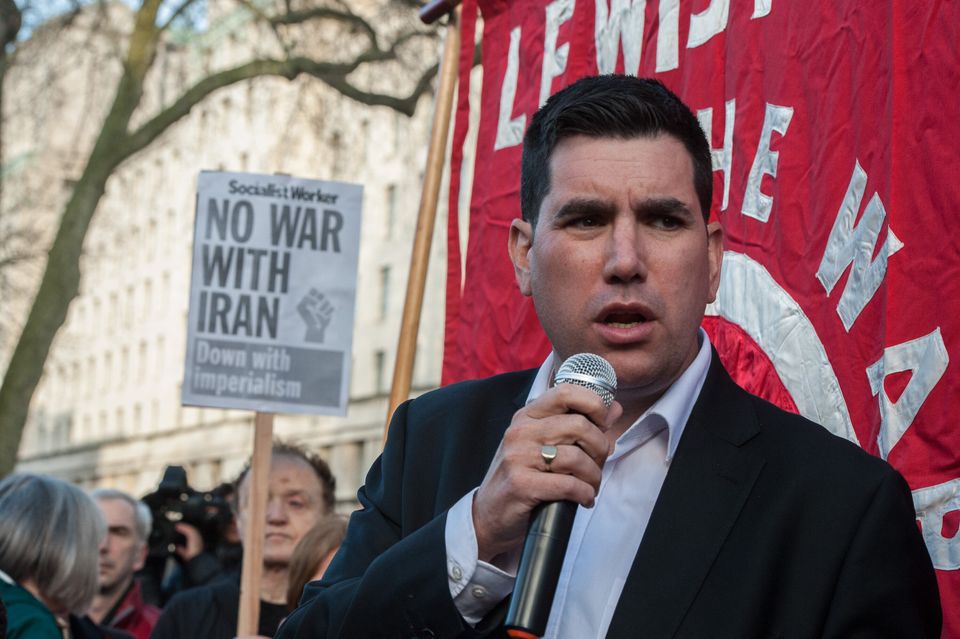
column 323, row 39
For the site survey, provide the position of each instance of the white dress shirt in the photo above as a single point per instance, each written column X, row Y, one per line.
column 605, row 538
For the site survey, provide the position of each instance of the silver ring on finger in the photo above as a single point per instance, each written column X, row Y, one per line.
column 548, row 453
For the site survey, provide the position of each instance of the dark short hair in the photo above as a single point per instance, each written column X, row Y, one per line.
column 285, row 449
column 617, row 106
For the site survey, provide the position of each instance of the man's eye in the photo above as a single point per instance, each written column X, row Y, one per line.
column 586, row 221
column 296, row 504
column 667, row 222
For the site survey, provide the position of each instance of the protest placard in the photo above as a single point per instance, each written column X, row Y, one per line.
column 272, row 294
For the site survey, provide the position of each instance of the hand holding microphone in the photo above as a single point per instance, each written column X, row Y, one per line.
column 553, row 451
column 549, row 534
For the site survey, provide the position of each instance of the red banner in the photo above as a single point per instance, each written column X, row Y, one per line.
column 834, row 129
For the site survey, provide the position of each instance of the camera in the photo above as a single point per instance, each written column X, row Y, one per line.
column 174, row 501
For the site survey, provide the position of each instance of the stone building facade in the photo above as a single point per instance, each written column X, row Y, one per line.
column 108, row 412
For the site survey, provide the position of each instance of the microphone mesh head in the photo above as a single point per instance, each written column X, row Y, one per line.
column 590, row 371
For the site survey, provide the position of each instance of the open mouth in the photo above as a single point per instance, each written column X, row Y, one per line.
column 624, row 319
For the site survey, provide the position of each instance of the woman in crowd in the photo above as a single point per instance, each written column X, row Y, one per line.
column 313, row 554
column 50, row 535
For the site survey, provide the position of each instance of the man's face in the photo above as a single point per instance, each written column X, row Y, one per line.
column 621, row 263
column 294, row 504
column 121, row 553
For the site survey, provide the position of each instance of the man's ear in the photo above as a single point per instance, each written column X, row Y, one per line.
column 141, row 557
column 521, row 240
column 715, row 257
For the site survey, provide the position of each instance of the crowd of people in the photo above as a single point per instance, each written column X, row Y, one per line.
column 72, row 563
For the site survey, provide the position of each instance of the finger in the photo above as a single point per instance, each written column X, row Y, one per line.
column 571, row 428
column 563, row 487
column 572, row 460
column 569, row 398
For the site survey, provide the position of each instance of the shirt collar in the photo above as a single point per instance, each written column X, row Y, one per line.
column 673, row 407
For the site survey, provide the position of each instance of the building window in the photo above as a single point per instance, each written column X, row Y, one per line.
column 107, row 371
column 152, row 239
column 128, row 307
column 142, row 361
column 147, row 299
column 114, row 311
column 380, row 370
column 391, row 210
column 91, row 375
column 160, row 355
column 384, row 291
column 75, row 381
column 124, row 366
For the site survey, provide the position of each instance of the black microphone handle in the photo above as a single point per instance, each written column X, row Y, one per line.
column 540, row 564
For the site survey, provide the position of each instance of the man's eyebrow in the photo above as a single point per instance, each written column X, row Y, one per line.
column 584, row 206
column 661, row 206
column 295, row 492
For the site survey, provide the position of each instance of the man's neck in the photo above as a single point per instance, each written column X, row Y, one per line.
column 104, row 602
column 273, row 583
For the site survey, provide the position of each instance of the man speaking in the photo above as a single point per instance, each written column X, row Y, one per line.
column 704, row 512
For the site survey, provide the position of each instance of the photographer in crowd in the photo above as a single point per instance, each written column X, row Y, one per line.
column 193, row 541
column 300, row 493
column 119, row 603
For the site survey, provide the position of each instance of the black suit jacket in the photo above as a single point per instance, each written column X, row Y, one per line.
column 766, row 526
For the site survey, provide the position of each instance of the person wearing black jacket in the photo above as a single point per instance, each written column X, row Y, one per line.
column 301, row 491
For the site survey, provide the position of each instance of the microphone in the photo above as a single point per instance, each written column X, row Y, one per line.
column 551, row 522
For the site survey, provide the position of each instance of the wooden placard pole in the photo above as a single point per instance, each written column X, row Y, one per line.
column 420, row 259
column 256, row 512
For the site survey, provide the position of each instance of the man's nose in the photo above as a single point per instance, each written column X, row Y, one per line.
column 623, row 261
column 276, row 512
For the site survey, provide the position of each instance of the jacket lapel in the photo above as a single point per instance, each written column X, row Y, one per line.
column 707, row 485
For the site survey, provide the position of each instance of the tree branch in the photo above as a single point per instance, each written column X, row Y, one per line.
column 333, row 74
column 177, row 13
column 325, row 13
column 405, row 105
column 10, row 22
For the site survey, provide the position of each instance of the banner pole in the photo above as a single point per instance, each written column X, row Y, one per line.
column 419, row 260
column 249, row 616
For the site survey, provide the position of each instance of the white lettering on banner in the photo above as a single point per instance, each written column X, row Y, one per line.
column 756, row 204
column 848, row 243
column 623, row 22
column 926, row 358
column 510, row 131
column 220, row 356
column 668, row 36
column 932, row 505
column 708, row 23
column 750, row 298
column 721, row 158
column 554, row 58
column 761, row 8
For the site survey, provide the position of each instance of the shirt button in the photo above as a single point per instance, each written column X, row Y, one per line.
column 456, row 573
column 479, row 592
